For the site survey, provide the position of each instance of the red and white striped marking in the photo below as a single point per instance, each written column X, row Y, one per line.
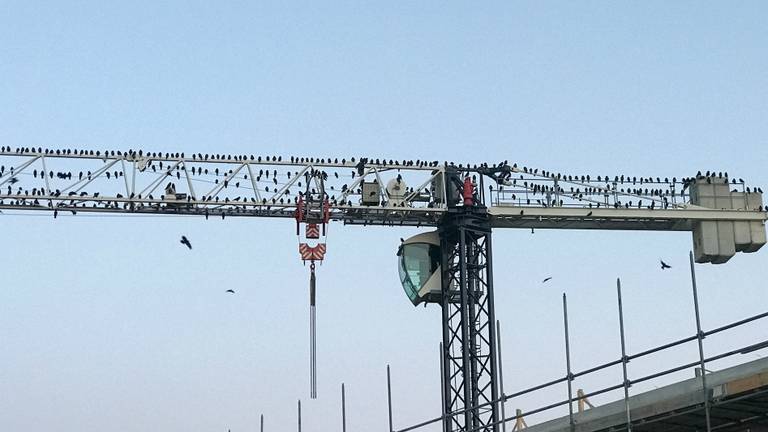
column 312, row 253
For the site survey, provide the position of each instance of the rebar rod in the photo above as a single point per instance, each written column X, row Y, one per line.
column 624, row 359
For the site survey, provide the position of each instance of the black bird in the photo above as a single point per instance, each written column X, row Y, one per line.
column 546, row 279
column 231, row 291
column 185, row 241
column 14, row 180
column 664, row 265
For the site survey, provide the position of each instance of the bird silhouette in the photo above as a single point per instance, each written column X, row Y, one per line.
column 231, row 291
column 185, row 241
column 664, row 265
column 546, row 279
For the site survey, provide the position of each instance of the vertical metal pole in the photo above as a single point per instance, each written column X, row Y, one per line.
column 494, row 348
column 389, row 399
column 700, row 338
column 446, row 249
column 442, row 387
column 445, row 187
column 299, row 415
column 624, row 359
column 312, row 334
column 480, row 190
column 261, row 422
column 501, row 377
column 343, row 410
column 569, row 375
column 133, row 179
column 467, row 376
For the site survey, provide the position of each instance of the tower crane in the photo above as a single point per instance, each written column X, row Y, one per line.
column 450, row 266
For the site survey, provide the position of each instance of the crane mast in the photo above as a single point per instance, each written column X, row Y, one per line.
column 464, row 203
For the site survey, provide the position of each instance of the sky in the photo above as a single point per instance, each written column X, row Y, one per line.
column 107, row 322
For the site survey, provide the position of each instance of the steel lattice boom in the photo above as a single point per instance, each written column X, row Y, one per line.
column 216, row 185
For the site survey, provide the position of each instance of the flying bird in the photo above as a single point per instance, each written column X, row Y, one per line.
column 546, row 279
column 664, row 265
column 185, row 241
column 231, row 291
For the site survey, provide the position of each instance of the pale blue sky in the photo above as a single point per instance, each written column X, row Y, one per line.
column 107, row 323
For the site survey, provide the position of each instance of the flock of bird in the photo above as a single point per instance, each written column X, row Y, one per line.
column 131, row 154
column 549, row 190
column 285, row 187
column 281, row 182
